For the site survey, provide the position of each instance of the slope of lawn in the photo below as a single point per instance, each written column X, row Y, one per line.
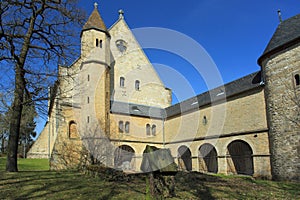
column 35, row 181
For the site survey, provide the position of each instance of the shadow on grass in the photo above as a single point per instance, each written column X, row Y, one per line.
column 192, row 185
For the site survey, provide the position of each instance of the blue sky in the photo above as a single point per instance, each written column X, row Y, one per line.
column 233, row 32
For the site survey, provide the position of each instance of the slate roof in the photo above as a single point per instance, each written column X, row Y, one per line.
column 286, row 34
column 221, row 93
column 95, row 22
column 137, row 110
column 218, row 94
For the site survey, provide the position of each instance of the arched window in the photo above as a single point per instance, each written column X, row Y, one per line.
column 97, row 42
column 153, row 129
column 73, row 132
column 122, row 82
column 121, row 126
column 137, row 85
column 148, row 129
column 297, row 80
column 127, row 127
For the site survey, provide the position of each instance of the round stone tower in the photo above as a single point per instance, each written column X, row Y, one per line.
column 280, row 65
column 94, row 77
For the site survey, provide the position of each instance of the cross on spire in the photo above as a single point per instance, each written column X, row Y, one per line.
column 96, row 5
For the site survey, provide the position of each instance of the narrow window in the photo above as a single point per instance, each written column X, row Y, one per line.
column 73, row 133
column 148, row 129
column 97, row 42
column 121, row 126
column 88, row 77
column 100, row 43
column 153, row 130
column 122, row 82
column 297, row 80
column 88, row 99
column 127, row 127
column 137, row 85
column 88, row 119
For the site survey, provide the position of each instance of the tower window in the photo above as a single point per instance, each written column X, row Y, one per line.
column 148, row 129
column 88, row 78
column 137, row 85
column 122, row 82
column 121, row 126
column 297, row 80
column 100, row 43
column 127, row 127
column 88, row 99
column 88, row 119
column 97, row 42
column 73, row 132
column 153, row 129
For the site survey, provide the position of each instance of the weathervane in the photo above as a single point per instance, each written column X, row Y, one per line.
column 121, row 14
column 279, row 15
column 96, row 5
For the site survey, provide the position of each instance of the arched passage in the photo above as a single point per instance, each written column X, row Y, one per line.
column 239, row 160
column 184, row 158
column 208, row 160
column 124, row 157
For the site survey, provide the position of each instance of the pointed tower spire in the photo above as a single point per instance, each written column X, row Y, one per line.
column 95, row 21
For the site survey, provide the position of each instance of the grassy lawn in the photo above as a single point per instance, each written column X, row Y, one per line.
column 35, row 181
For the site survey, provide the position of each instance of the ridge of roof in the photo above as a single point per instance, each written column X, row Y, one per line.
column 220, row 93
column 286, row 34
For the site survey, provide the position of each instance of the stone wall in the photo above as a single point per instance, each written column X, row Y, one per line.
column 133, row 65
column 282, row 100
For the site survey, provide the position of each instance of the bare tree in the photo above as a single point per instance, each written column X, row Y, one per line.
column 35, row 37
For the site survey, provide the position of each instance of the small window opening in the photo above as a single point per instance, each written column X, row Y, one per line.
column 88, row 77
column 148, row 129
column 153, row 130
column 127, row 127
column 121, row 126
column 100, row 43
column 97, row 42
column 137, row 85
column 88, row 119
column 88, row 99
column 122, row 82
column 297, row 80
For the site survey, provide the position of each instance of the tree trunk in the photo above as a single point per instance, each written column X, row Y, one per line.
column 15, row 121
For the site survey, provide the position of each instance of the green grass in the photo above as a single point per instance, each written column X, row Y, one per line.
column 28, row 164
column 35, row 181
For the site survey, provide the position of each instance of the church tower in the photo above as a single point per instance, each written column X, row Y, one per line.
column 94, row 77
column 280, row 64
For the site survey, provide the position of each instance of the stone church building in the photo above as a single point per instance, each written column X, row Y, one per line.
column 110, row 103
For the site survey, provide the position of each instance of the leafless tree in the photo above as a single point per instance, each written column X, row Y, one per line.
column 35, row 37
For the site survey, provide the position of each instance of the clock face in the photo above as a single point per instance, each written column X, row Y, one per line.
column 121, row 45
